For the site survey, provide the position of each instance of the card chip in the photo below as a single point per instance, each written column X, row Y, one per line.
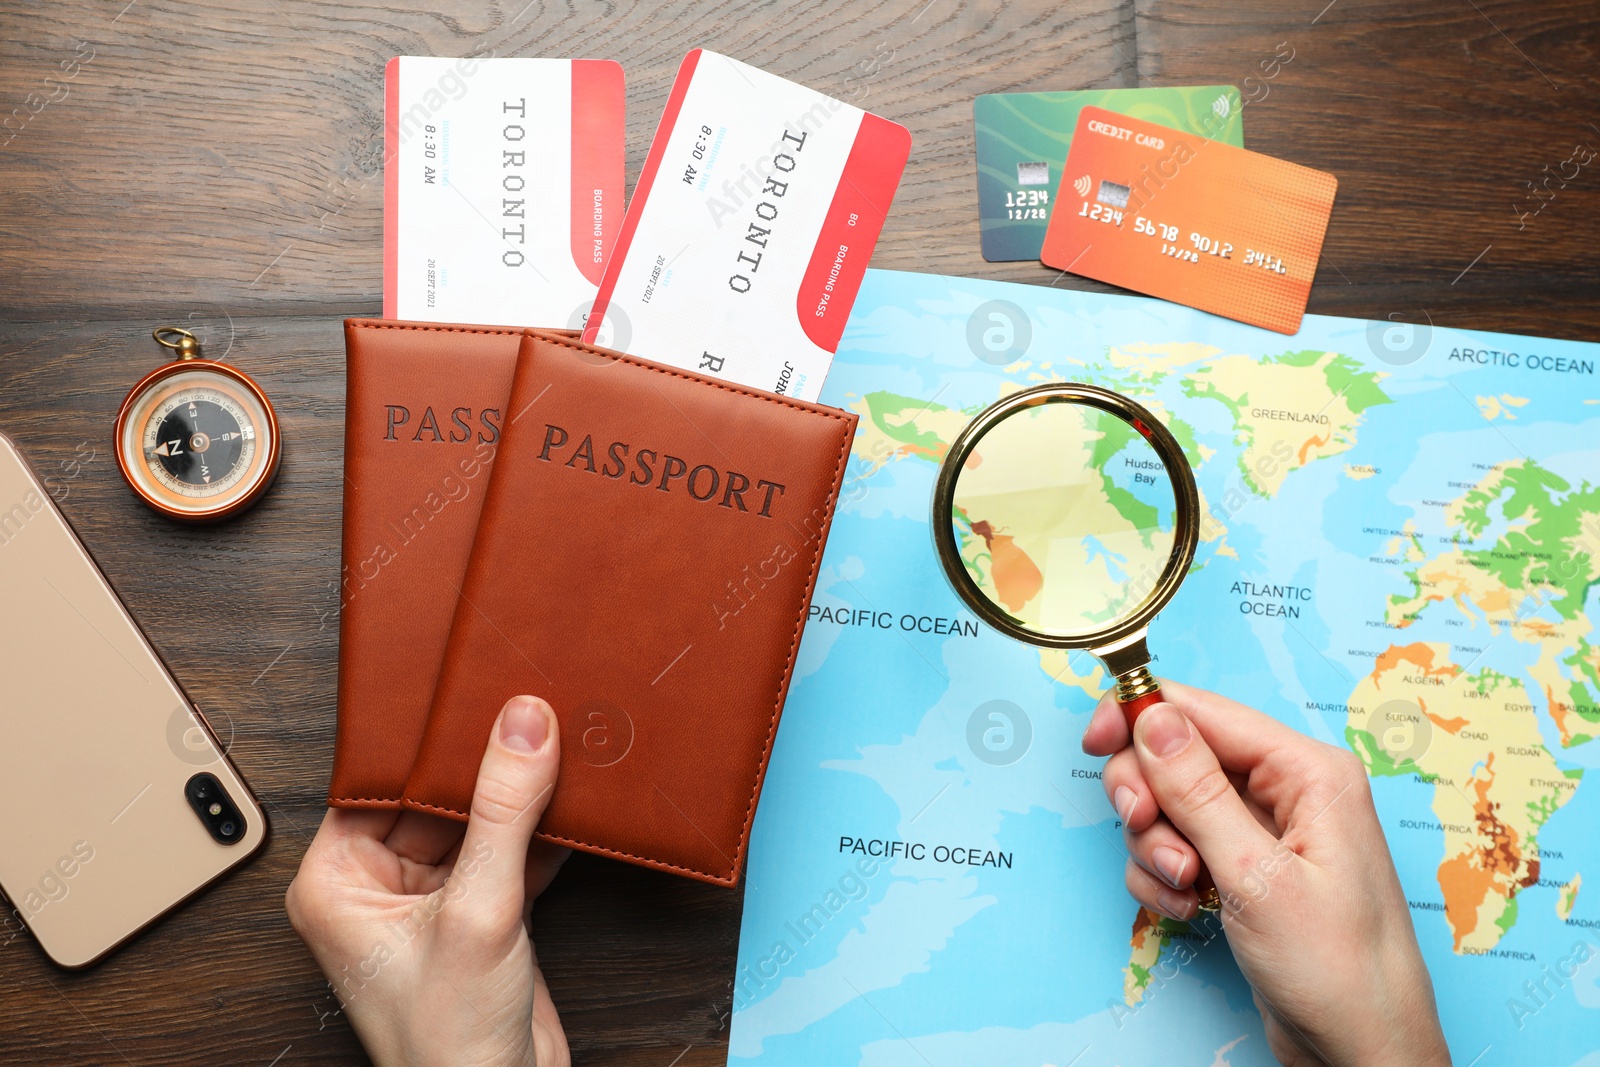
column 1112, row 195
column 1033, row 174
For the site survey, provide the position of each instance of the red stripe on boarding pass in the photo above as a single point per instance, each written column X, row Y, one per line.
column 641, row 193
column 391, row 188
column 850, row 230
column 598, row 102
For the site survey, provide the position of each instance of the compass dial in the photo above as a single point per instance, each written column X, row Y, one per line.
column 197, row 440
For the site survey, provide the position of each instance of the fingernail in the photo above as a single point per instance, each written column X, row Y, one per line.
column 1163, row 730
column 1170, row 864
column 1124, row 800
column 1173, row 904
column 523, row 726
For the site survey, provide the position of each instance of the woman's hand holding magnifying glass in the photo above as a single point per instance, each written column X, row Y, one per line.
column 1066, row 516
column 1311, row 904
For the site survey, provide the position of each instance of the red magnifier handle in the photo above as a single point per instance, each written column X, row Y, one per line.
column 1132, row 708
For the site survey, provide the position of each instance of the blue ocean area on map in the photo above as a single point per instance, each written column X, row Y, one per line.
column 1400, row 528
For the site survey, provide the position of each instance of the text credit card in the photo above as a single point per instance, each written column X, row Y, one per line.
column 750, row 228
column 503, row 188
column 1197, row 222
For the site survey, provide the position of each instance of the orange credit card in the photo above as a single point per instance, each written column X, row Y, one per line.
column 1194, row 221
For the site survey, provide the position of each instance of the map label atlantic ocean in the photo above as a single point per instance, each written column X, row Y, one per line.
column 1271, row 600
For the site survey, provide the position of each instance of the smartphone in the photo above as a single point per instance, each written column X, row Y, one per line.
column 116, row 800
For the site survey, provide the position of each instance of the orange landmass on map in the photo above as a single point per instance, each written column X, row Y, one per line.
column 1418, row 655
column 1464, row 885
column 1453, row 725
column 1560, row 714
column 1451, row 578
column 1495, row 865
column 1016, row 577
column 911, row 448
column 1143, row 923
column 1310, row 443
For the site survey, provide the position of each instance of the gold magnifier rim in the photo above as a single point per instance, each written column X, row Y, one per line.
column 1185, row 495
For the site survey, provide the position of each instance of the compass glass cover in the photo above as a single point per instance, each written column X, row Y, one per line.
column 196, row 441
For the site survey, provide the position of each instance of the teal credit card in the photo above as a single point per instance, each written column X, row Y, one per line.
column 1023, row 140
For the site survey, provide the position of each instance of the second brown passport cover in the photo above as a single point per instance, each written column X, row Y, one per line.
column 424, row 404
column 644, row 559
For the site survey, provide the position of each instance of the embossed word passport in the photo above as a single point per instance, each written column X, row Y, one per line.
column 750, row 228
column 503, row 187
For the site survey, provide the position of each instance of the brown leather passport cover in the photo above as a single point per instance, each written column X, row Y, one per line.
column 644, row 561
column 424, row 409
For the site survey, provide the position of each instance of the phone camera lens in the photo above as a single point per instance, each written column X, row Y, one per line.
column 217, row 811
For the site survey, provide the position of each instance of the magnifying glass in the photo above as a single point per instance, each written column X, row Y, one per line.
column 1066, row 516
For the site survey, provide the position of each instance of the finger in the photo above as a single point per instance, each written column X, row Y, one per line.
column 1152, row 893
column 358, row 822
column 1127, row 790
column 1135, row 804
column 1107, row 731
column 544, row 863
column 1193, row 791
column 515, row 780
column 1241, row 736
column 423, row 837
column 1163, row 852
column 1285, row 767
column 422, row 879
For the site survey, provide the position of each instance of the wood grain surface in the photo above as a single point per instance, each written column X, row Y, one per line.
column 217, row 163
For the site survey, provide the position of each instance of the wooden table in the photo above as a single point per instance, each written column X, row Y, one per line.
column 216, row 164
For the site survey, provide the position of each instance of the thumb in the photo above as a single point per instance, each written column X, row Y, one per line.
column 515, row 781
column 1195, row 794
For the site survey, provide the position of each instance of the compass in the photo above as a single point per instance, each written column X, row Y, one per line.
column 196, row 440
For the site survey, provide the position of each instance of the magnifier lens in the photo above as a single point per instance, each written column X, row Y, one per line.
column 1065, row 517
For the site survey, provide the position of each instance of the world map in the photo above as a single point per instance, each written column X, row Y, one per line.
column 1399, row 549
